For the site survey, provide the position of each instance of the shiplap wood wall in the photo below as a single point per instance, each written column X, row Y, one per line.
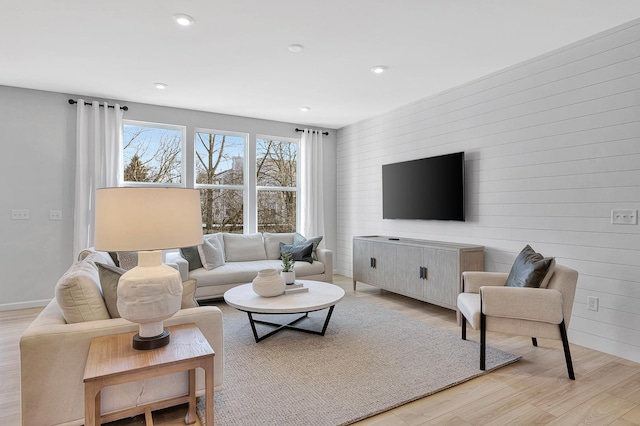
column 552, row 146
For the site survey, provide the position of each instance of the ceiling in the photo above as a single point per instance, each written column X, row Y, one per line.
column 235, row 58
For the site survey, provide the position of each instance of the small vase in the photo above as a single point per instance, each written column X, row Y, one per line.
column 268, row 283
column 289, row 277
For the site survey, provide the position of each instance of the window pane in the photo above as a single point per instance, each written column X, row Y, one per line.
column 222, row 210
column 219, row 159
column 277, row 211
column 152, row 154
column 276, row 163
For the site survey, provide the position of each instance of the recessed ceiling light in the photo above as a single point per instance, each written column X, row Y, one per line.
column 379, row 69
column 304, row 109
column 160, row 86
column 296, row 48
column 184, row 20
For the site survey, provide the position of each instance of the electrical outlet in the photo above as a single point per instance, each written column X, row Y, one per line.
column 592, row 303
column 20, row 214
column 55, row 214
column 624, row 217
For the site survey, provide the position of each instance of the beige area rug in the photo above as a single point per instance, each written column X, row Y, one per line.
column 371, row 359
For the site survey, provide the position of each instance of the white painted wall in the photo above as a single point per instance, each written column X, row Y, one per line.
column 37, row 172
column 552, row 145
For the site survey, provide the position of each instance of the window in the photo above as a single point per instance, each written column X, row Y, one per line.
column 152, row 153
column 220, row 176
column 246, row 185
column 277, row 184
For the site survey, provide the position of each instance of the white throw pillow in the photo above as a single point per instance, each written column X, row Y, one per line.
column 78, row 294
column 218, row 235
column 211, row 253
column 241, row 247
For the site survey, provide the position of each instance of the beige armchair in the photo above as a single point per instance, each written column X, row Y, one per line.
column 535, row 312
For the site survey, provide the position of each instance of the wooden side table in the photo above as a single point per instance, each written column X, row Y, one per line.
column 113, row 361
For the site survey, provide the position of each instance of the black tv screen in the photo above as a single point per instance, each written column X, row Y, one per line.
column 428, row 189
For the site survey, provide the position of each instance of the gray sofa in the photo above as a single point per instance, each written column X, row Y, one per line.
column 244, row 255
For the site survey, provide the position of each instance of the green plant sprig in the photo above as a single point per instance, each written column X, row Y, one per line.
column 287, row 261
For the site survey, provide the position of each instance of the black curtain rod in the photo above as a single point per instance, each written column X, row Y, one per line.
column 124, row 108
column 313, row 131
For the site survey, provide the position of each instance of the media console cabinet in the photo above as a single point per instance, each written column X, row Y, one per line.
column 425, row 270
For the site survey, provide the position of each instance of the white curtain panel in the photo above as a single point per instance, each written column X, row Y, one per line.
column 311, row 184
column 98, row 164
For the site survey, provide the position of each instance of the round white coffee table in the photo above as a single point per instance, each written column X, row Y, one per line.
column 320, row 296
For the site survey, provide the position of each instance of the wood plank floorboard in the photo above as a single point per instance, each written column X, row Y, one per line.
column 532, row 391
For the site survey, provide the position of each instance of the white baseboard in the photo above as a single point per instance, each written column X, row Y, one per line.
column 24, row 305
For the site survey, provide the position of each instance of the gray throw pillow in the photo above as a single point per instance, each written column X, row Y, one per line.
column 529, row 269
column 192, row 256
column 301, row 252
column 109, row 277
column 299, row 239
column 127, row 259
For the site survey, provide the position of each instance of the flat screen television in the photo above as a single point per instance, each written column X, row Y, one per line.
column 427, row 189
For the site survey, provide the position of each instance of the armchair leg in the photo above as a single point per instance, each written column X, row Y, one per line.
column 483, row 340
column 567, row 353
column 534, row 341
column 464, row 328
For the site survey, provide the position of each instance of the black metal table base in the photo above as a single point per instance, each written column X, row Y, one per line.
column 287, row 326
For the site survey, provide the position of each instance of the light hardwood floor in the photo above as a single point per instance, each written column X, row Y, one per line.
column 534, row 390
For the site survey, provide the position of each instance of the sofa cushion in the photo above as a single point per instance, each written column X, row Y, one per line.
column 110, row 275
column 529, row 269
column 192, row 256
column 272, row 243
column 299, row 239
column 78, row 294
column 243, row 247
column 301, row 252
column 211, row 253
column 245, row 272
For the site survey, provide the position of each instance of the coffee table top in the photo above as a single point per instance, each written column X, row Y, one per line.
column 320, row 295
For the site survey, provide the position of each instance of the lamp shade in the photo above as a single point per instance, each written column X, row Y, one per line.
column 142, row 219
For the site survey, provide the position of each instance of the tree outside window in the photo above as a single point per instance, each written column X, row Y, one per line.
column 152, row 153
column 219, row 170
column 277, row 184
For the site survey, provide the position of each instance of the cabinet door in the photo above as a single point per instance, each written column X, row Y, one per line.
column 409, row 259
column 374, row 263
column 383, row 272
column 444, row 278
column 362, row 254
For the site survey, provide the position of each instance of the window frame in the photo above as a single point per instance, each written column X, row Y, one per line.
column 295, row 189
column 183, row 154
column 245, row 187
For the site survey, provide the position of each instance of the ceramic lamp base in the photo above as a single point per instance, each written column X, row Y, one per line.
column 147, row 343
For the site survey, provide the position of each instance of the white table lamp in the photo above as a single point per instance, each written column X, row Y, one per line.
column 148, row 220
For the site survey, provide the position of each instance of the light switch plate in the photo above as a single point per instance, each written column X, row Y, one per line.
column 624, row 217
column 20, row 214
column 55, row 214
